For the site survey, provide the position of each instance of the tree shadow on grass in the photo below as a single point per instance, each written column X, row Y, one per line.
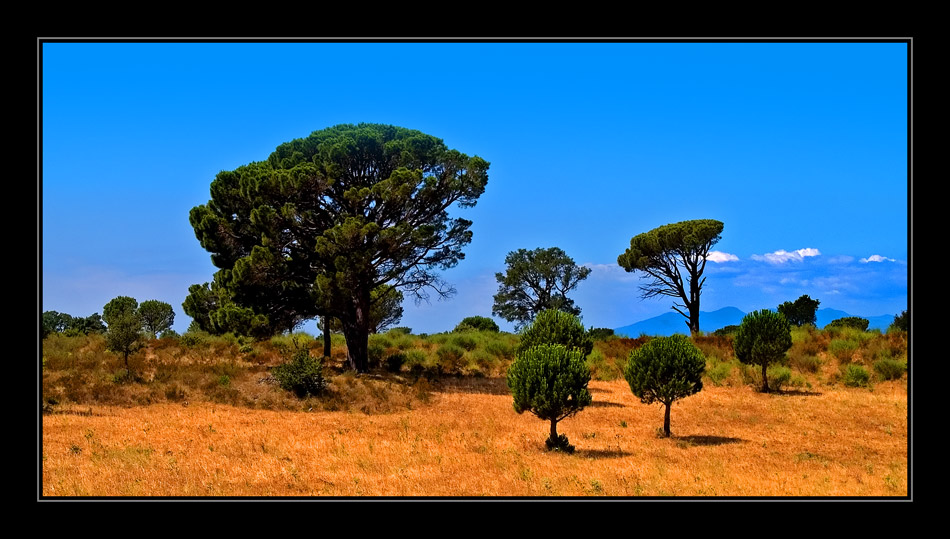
column 687, row 441
column 795, row 393
column 606, row 403
column 602, row 453
column 484, row 386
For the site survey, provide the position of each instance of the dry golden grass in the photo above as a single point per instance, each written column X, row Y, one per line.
column 468, row 441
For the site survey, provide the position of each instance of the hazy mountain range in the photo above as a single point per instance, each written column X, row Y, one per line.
column 673, row 322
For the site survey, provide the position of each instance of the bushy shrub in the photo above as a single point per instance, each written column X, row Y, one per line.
column 400, row 330
column 601, row 334
column 395, row 361
column 842, row 349
column 601, row 368
column 477, row 323
column 302, row 375
column 805, row 362
column 855, row 376
column 726, row 331
column 719, row 372
column 889, row 369
column 664, row 370
column 850, row 322
column 464, row 341
column 450, row 357
column 779, row 376
column 556, row 327
column 550, row 381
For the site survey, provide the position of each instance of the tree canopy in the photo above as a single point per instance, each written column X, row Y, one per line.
column 803, row 310
column 535, row 281
column 327, row 219
column 663, row 251
column 157, row 316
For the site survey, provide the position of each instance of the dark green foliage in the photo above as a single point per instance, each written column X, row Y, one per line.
column 802, row 311
column 56, row 322
column 726, row 331
column 401, row 330
column 88, row 325
column 302, row 374
column 556, row 327
column 901, row 322
column 535, row 281
column 477, row 323
column 600, row 334
column 327, row 219
column 763, row 338
column 858, row 323
column 855, row 376
column 550, row 381
column 664, row 370
column 124, row 331
column 395, row 361
column 662, row 252
column 890, row 369
column 157, row 316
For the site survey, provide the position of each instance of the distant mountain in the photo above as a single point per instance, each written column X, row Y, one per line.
column 673, row 322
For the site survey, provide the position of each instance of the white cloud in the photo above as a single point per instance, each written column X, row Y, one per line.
column 781, row 256
column 719, row 256
column 876, row 258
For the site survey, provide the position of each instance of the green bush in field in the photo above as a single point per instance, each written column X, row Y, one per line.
column 477, row 323
column 302, row 375
column 763, row 338
column 556, row 327
column 850, row 322
column 843, row 349
column 779, row 376
column 600, row 334
column 719, row 372
column 550, row 381
column 726, row 331
column 855, row 376
column 464, row 341
column 889, row 369
column 665, row 370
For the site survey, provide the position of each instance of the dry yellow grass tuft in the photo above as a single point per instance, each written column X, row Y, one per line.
column 468, row 441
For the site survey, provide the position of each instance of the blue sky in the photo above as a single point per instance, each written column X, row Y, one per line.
column 799, row 148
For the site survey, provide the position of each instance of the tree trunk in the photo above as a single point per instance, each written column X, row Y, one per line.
column 553, row 432
column 765, row 379
column 326, row 336
column 666, row 420
column 356, row 328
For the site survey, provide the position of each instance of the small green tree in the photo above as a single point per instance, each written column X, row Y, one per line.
column 664, row 370
column 478, row 323
column 157, row 316
column 550, row 381
column 800, row 312
column 124, row 331
column 557, row 327
column 763, row 338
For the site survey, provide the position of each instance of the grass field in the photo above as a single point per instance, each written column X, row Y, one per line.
column 468, row 441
